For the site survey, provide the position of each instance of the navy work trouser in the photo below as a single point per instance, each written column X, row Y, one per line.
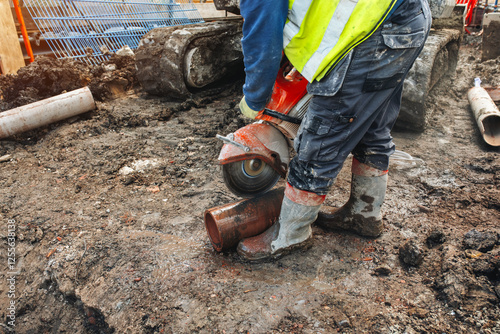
column 354, row 107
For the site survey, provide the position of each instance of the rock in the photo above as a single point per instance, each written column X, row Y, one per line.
column 125, row 51
column 344, row 323
column 435, row 238
column 410, row 253
column 453, row 287
column 66, row 287
column 340, row 318
column 483, row 265
column 382, row 270
column 418, row 312
column 128, row 179
column 109, row 67
column 481, row 293
column 38, row 234
column 454, row 282
column 495, row 260
column 481, row 241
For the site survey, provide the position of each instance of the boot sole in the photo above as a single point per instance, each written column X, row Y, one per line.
column 302, row 246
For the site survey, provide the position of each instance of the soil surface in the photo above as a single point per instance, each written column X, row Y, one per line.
column 107, row 212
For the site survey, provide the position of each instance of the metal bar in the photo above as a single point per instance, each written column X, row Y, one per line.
column 83, row 28
column 26, row 39
column 84, row 38
column 126, row 3
column 87, row 18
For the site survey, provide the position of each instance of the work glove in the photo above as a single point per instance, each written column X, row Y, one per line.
column 246, row 110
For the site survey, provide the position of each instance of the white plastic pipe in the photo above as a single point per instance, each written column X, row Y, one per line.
column 486, row 114
column 46, row 111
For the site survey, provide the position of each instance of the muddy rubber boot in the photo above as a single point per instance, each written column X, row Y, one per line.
column 361, row 214
column 291, row 232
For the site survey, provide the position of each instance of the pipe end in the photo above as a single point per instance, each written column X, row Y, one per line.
column 213, row 231
column 491, row 126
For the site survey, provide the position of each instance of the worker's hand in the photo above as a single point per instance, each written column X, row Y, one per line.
column 246, row 110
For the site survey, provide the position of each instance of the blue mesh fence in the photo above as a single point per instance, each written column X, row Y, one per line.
column 91, row 29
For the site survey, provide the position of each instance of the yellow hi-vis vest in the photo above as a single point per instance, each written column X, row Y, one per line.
column 319, row 33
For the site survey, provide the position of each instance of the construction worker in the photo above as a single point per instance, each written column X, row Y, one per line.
column 356, row 55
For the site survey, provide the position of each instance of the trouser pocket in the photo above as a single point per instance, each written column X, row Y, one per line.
column 321, row 134
column 397, row 49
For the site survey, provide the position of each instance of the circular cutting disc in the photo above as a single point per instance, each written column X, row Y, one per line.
column 249, row 178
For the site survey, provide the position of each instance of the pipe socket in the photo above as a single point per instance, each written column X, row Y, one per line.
column 486, row 114
column 46, row 111
column 228, row 224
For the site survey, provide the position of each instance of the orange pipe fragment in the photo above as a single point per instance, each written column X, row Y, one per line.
column 228, row 224
column 26, row 40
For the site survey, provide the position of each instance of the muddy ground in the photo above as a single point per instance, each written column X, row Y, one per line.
column 107, row 210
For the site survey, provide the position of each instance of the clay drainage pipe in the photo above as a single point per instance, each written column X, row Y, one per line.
column 486, row 114
column 46, row 111
column 228, row 224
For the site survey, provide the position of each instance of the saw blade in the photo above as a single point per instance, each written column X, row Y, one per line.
column 249, row 178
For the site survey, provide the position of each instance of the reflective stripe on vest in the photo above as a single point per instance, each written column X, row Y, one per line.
column 295, row 16
column 319, row 33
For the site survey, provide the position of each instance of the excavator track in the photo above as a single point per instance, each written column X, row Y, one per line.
column 437, row 61
column 176, row 61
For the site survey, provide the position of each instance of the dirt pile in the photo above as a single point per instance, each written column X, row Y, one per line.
column 43, row 78
column 113, row 77
column 47, row 77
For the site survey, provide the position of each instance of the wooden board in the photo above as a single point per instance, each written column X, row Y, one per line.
column 494, row 93
column 28, row 21
column 11, row 55
column 491, row 36
column 208, row 11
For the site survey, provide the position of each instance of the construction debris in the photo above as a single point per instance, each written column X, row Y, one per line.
column 486, row 114
column 53, row 109
column 47, row 77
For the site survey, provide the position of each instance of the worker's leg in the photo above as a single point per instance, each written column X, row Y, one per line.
column 362, row 213
column 376, row 146
column 345, row 106
column 366, row 103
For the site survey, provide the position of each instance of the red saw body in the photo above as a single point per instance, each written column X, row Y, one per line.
column 254, row 157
